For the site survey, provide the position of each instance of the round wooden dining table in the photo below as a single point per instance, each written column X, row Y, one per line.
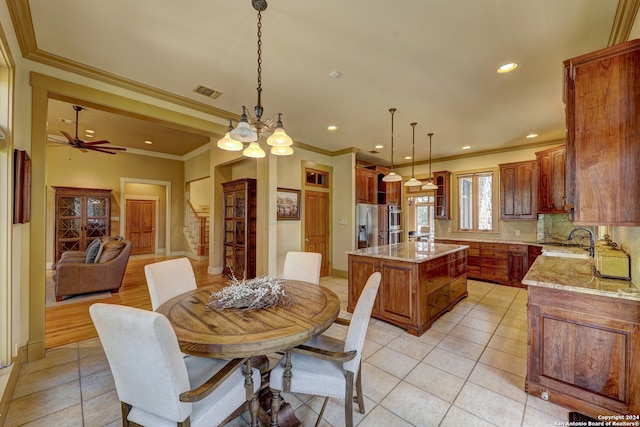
column 230, row 333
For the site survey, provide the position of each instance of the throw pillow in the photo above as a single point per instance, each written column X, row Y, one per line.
column 103, row 241
column 111, row 250
column 92, row 251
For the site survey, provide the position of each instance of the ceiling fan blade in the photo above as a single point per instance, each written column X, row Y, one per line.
column 100, row 150
column 67, row 136
column 104, row 141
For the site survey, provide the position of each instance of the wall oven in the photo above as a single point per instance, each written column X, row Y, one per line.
column 394, row 218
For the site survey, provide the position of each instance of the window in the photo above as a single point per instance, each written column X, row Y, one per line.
column 475, row 201
column 420, row 213
column 316, row 178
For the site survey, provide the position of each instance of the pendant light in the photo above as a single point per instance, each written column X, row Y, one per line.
column 413, row 182
column 392, row 176
column 430, row 185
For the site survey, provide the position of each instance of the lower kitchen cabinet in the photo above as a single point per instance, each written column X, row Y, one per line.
column 501, row 263
column 584, row 351
column 412, row 295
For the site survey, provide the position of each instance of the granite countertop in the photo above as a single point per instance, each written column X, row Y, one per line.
column 577, row 275
column 409, row 251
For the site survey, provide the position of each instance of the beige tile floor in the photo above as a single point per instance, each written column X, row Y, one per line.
column 467, row 370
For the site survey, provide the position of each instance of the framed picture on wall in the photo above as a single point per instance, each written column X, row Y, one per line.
column 288, row 203
column 21, row 187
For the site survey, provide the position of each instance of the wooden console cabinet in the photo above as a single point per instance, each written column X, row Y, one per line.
column 584, row 351
column 81, row 215
column 412, row 295
column 239, row 227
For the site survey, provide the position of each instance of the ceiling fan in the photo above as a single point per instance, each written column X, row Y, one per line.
column 90, row 145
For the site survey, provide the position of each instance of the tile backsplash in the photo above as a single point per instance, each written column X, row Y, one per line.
column 555, row 228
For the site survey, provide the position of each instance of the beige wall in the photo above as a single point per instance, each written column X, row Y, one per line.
column 72, row 168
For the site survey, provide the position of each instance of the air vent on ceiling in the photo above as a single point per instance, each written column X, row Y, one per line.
column 207, row 91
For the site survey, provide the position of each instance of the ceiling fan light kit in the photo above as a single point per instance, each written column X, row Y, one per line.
column 83, row 146
column 249, row 129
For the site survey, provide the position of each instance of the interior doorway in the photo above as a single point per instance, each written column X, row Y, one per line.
column 140, row 225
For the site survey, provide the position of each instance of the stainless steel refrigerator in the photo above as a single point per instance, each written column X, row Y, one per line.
column 367, row 225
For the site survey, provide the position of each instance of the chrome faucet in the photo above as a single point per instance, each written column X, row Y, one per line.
column 591, row 239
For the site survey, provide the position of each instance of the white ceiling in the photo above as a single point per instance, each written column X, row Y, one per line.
column 434, row 60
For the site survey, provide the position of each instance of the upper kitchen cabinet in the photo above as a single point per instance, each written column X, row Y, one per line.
column 518, row 190
column 366, row 185
column 551, row 165
column 443, row 180
column 370, row 188
column 602, row 95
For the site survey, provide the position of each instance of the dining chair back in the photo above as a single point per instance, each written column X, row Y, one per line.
column 154, row 383
column 167, row 279
column 328, row 367
column 304, row 266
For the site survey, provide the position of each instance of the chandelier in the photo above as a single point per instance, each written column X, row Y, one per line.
column 392, row 176
column 430, row 185
column 250, row 128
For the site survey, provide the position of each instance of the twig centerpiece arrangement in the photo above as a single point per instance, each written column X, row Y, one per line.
column 257, row 293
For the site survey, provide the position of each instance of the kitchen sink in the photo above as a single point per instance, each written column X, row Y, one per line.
column 561, row 254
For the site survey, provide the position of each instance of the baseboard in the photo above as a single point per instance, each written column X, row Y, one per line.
column 340, row 273
column 10, row 384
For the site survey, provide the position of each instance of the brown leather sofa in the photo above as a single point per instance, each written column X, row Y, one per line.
column 74, row 276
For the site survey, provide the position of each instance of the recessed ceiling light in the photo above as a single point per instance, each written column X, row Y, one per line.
column 379, row 146
column 148, row 142
column 407, row 157
column 88, row 135
column 508, row 67
column 335, row 74
column 466, row 147
column 332, row 127
column 532, row 135
column 90, row 131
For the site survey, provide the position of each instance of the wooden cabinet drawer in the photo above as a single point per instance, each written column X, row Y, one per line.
column 473, row 252
column 493, row 253
column 438, row 301
column 518, row 248
column 494, row 263
column 473, row 272
column 457, row 288
column 493, row 246
column 497, row 274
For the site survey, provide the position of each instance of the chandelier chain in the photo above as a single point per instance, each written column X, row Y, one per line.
column 259, row 51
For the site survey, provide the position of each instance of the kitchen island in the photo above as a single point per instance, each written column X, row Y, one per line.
column 420, row 281
column 584, row 338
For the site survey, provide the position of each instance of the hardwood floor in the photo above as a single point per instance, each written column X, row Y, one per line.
column 71, row 323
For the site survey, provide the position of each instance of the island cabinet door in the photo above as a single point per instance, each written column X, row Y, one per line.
column 397, row 292
column 584, row 351
column 360, row 268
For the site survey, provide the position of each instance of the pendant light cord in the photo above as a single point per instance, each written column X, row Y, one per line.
column 392, row 111
column 413, row 149
column 430, row 135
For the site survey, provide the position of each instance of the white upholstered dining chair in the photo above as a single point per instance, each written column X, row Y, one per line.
column 155, row 385
column 326, row 366
column 304, row 266
column 167, row 279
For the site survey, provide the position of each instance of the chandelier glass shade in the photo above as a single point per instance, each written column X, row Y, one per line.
column 430, row 185
column 250, row 129
column 413, row 182
column 392, row 176
column 228, row 143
